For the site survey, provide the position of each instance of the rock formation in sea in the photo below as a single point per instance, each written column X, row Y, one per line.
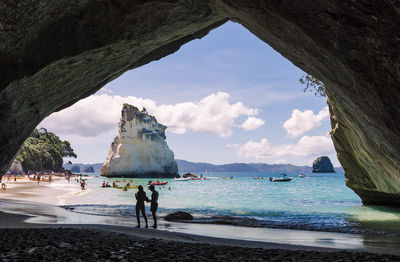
column 54, row 53
column 88, row 169
column 76, row 169
column 140, row 149
column 16, row 168
column 322, row 165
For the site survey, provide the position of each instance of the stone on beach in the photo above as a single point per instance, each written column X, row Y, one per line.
column 178, row 216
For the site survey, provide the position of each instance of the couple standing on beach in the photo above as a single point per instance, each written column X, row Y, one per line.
column 140, row 207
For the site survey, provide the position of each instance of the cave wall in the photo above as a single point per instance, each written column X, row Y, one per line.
column 53, row 53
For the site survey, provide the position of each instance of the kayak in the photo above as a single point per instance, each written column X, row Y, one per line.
column 158, row 183
column 41, row 180
column 196, row 178
column 129, row 187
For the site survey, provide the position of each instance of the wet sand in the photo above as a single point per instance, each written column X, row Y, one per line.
column 47, row 236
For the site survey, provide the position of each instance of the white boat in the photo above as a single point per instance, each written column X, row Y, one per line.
column 182, row 179
column 302, row 176
column 283, row 178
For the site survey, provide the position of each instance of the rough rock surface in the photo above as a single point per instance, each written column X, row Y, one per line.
column 322, row 165
column 75, row 169
column 178, row 216
column 140, row 149
column 53, row 53
column 88, row 169
column 189, row 175
column 16, row 167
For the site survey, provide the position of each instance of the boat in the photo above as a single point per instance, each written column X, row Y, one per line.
column 196, row 178
column 258, row 177
column 302, row 176
column 283, row 178
column 158, row 183
column 182, row 179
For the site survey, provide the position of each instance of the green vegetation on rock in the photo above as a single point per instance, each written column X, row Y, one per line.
column 313, row 84
column 44, row 150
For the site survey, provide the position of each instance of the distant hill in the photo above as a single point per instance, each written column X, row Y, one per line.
column 83, row 167
column 187, row 166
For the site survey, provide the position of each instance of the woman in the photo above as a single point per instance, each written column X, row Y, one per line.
column 140, row 198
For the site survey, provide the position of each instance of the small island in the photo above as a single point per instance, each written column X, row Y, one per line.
column 323, row 165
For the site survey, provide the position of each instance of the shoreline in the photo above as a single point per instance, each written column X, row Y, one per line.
column 20, row 214
column 44, row 212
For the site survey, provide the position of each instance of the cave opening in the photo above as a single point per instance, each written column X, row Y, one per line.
column 348, row 51
column 228, row 95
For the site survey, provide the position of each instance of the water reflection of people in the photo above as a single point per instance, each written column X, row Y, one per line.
column 140, row 198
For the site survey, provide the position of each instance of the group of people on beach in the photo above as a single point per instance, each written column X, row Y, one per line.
column 141, row 198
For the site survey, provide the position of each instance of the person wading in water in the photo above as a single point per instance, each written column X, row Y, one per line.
column 140, row 198
column 154, row 204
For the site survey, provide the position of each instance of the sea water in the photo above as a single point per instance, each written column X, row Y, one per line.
column 319, row 201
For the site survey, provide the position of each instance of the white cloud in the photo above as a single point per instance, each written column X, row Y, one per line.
column 301, row 122
column 252, row 123
column 100, row 113
column 307, row 146
column 232, row 145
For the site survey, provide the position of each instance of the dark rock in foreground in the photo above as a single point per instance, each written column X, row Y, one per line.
column 178, row 216
column 67, row 244
column 323, row 165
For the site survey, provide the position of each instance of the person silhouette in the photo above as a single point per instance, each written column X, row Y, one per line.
column 154, row 204
column 140, row 198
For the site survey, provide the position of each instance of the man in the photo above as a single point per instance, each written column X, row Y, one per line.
column 140, row 198
column 154, row 204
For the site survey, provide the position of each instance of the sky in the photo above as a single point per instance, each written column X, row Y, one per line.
column 225, row 98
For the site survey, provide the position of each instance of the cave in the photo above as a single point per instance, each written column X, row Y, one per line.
column 55, row 53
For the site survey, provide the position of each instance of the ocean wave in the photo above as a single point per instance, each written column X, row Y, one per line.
column 272, row 219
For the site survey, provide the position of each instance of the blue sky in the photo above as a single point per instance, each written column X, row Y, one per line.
column 228, row 66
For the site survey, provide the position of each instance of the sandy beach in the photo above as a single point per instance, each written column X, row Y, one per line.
column 34, row 228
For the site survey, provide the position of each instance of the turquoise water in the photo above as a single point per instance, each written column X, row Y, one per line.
column 316, row 202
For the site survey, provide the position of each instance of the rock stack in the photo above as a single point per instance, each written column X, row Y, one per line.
column 322, row 165
column 140, row 149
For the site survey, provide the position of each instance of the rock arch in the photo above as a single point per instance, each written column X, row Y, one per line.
column 53, row 54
